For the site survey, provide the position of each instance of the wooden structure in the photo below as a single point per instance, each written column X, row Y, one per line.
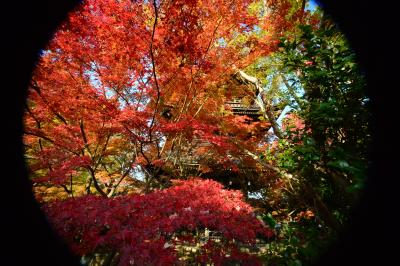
column 253, row 111
column 238, row 108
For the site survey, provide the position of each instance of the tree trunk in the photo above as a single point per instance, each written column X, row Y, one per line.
column 95, row 183
column 324, row 212
column 311, row 194
column 264, row 105
column 88, row 185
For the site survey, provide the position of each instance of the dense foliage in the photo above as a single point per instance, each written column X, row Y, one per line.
column 131, row 99
column 140, row 226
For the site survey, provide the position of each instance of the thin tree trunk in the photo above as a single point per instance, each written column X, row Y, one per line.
column 265, row 105
column 311, row 194
column 95, row 183
column 88, row 185
column 273, row 121
column 323, row 210
column 291, row 91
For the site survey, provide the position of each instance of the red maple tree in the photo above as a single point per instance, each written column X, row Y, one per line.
column 129, row 87
column 139, row 226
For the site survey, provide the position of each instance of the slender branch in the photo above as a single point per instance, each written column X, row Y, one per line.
column 32, row 115
column 96, row 182
column 50, row 140
column 143, row 154
column 291, row 91
column 98, row 142
column 88, row 185
column 220, row 19
column 201, row 106
column 125, row 174
column 38, row 125
column 154, row 67
column 165, row 143
column 38, row 90
column 70, row 186
column 66, row 189
column 313, row 195
column 102, row 151
column 84, row 137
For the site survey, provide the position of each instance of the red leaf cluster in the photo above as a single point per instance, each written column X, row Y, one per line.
column 144, row 229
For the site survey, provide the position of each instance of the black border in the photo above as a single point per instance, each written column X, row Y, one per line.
column 25, row 235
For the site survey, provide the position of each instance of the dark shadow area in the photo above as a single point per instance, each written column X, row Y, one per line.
column 27, row 238
column 368, row 238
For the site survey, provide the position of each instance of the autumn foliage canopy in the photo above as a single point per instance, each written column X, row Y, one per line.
column 134, row 145
column 125, row 85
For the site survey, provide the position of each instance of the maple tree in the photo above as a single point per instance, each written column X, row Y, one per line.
column 135, row 226
column 129, row 96
column 142, row 78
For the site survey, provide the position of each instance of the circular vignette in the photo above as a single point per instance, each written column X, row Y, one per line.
column 36, row 24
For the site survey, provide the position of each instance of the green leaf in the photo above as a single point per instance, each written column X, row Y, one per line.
column 269, row 220
column 339, row 164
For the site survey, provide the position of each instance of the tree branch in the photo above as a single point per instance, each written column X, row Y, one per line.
column 49, row 140
column 95, row 182
column 154, row 68
column 37, row 89
column 264, row 105
column 291, row 91
column 84, row 137
column 313, row 195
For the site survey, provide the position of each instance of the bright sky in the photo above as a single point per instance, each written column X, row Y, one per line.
column 312, row 5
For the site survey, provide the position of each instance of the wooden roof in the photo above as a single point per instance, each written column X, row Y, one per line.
column 238, row 108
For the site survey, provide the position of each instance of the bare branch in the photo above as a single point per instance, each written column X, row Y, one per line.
column 38, row 90
column 96, row 182
column 154, row 67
